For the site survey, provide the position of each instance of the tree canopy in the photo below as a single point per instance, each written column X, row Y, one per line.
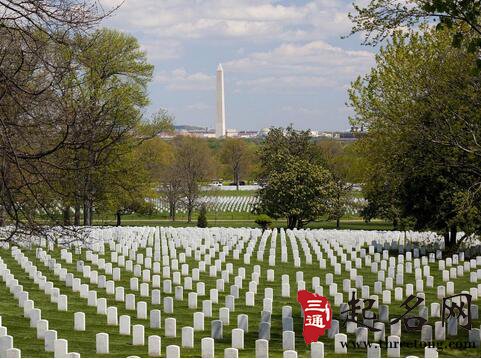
column 420, row 104
column 380, row 18
column 295, row 184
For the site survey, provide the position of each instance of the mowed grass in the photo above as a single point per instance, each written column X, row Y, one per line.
column 120, row 346
column 234, row 220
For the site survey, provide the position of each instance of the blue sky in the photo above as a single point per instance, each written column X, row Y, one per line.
column 284, row 61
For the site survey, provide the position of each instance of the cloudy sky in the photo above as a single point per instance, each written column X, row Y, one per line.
column 284, row 61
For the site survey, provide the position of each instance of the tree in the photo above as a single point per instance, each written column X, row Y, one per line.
column 202, row 219
column 171, row 189
column 236, row 154
column 111, row 89
column 295, row 185
column 380, row 18
column 263, row 221
column 131, row 182
column 192, row 164
column 300, row 192
column 36, row 60
column 380, row 188
column 339, row 164
column 420, row 99
column 281, row 145
column 170, row 183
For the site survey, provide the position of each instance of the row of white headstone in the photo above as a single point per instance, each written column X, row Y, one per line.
column 171, row 249
column 248, row 294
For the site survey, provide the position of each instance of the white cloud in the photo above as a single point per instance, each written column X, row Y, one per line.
column 295, row 56
column 162, row 50
column 292, row 65
column 251, row 19
column 180, row 80
column 285, row 82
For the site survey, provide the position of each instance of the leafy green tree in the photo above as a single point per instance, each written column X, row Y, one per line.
column 339, row 164
column 281, row 145
column 202, row 219
column 106, row 106
column 132, row 181
column 420, row 104
column 111, row 91
column 379, row 18
column 35, row 64
column 295, row 184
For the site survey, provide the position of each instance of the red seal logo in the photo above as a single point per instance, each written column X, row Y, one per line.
column 317, row 315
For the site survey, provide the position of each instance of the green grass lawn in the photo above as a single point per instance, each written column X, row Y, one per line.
column 120, row 346
column 240, row 220
column 235, row 219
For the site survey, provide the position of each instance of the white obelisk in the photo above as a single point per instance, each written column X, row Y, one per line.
column 220, row 122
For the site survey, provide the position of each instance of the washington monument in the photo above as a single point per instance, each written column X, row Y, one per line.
column 220, row 122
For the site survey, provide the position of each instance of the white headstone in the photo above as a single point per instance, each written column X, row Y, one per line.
column 124, row 325
column 138, row 335
column 154, row 346
column 102, row 343
column 207, row 347
column 187, row 337
column 79, row 322
column 170, row 328
column 172, row 351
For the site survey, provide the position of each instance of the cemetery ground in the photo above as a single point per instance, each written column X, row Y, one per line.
column 232, row 220
column 224, row 212
column 339, row 244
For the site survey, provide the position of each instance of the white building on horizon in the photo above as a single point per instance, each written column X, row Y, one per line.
column 220, row 121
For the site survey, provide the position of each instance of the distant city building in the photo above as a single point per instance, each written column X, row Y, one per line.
column 205, row 132
column 325, row 134
column 231, row 132
column 264, row 132
column 248, row 134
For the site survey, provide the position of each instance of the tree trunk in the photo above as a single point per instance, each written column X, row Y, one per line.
column 300, row 224
column 2, row 216
column 291, row 222
column 446, row 238
column 189, row 214
column 338, row 223
column 118, row 216
column 91, row 214
column 452, row 235
column 172, row 211
column 66, row 216
column 87, row 216
column 237, row 181
column 395, row 224
column 76, row 220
